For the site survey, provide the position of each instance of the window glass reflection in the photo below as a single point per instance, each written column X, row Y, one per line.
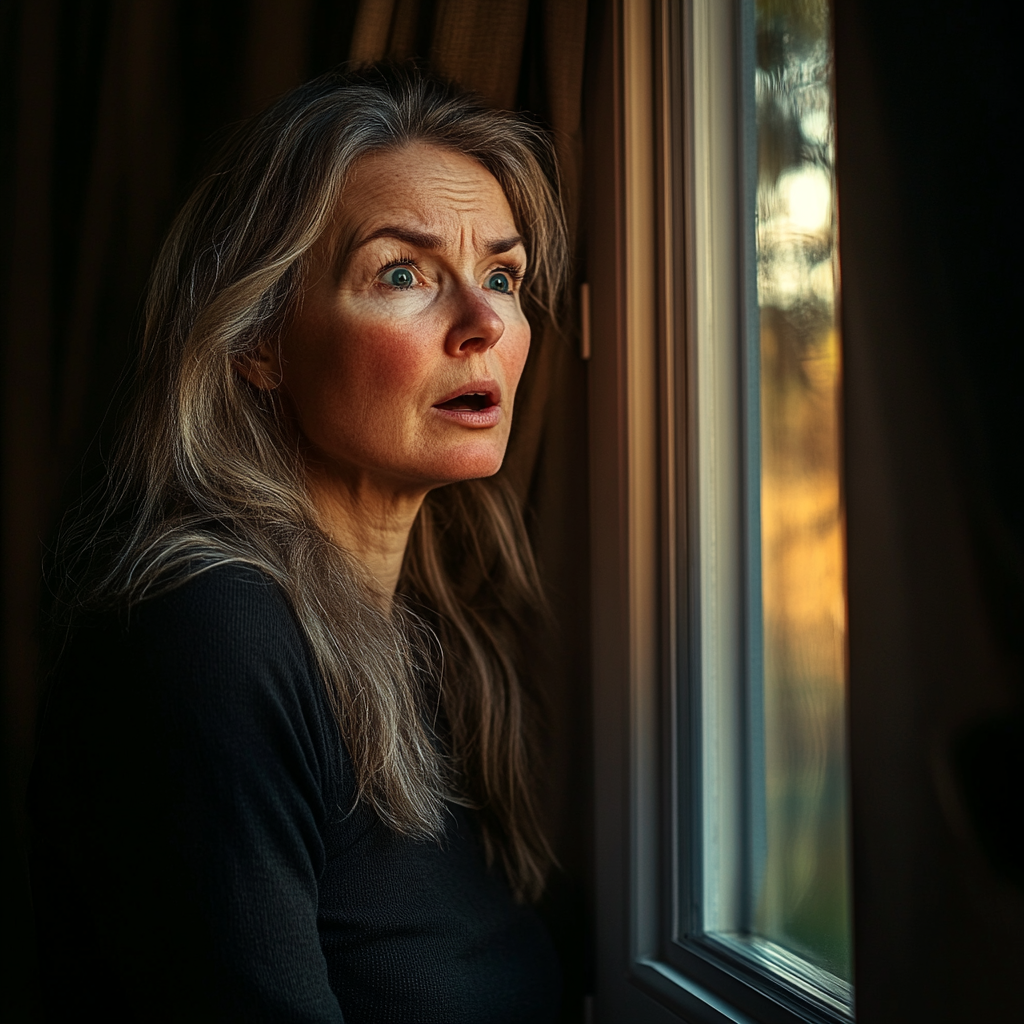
column 801, row 888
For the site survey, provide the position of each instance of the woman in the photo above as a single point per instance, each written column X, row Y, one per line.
column 285, row 769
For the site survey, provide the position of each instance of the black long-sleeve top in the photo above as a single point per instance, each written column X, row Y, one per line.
column 196, row 854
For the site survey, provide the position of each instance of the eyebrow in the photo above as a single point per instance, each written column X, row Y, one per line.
column 425, row 240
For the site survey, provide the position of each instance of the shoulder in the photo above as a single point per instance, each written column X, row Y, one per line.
column 223, row 646
column 231, row 606
column 209, row 680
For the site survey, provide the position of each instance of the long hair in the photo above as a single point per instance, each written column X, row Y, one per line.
column 206, row 471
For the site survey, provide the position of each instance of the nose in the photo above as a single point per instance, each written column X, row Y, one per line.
column 476, row 326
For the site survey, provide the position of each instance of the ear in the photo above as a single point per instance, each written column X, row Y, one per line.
column 260, row 366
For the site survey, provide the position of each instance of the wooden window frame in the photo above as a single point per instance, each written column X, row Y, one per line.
column 647, row 324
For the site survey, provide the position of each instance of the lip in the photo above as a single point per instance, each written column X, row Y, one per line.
column 484, row 386
column 487, row 417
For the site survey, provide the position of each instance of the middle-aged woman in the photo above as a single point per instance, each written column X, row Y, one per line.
column 285, row 769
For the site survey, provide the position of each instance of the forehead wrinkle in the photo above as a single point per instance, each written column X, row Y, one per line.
column 420, row 239
column 468, row 199
column 435, row 197
column 430, row 214
column 469, row 238
column 463, row 236
column 427, row 192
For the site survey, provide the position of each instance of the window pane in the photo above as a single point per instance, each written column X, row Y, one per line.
column 800, row 887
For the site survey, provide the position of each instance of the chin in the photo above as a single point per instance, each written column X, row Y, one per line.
column 468, row 466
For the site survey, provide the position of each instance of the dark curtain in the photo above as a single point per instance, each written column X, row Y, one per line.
column 108, row 111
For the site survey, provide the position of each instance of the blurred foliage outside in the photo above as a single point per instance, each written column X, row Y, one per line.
column 802, row 900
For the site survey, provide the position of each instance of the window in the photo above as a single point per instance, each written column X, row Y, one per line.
column 718, row 529
column 766, row 679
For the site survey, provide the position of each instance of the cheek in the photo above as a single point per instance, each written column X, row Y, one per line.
column 381, row 362
column 358, row 366
column 513, row 354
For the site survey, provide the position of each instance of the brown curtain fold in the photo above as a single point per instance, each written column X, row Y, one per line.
column 276, row 53
column 110, row 111
column 481, row 47
column 387, row 28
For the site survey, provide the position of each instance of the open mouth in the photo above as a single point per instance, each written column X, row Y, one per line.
column 471, row 401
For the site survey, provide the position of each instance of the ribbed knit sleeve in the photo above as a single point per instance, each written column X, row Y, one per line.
column 197, row 854
column 187, row 767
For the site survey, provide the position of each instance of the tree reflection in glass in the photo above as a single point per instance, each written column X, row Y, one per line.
column 801, row 895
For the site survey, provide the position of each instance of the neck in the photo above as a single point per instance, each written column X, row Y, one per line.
column 369, row 522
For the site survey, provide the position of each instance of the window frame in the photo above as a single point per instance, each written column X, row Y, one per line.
column 646, row 306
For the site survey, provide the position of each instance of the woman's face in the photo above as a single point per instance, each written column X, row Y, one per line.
column 402, row 363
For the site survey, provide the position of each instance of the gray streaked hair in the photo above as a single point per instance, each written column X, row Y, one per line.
column 206, row 471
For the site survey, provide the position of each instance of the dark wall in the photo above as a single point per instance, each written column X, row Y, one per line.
column 927, row 109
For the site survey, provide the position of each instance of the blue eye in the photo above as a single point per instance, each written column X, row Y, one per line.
column 499, row 282
column 399, row 277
